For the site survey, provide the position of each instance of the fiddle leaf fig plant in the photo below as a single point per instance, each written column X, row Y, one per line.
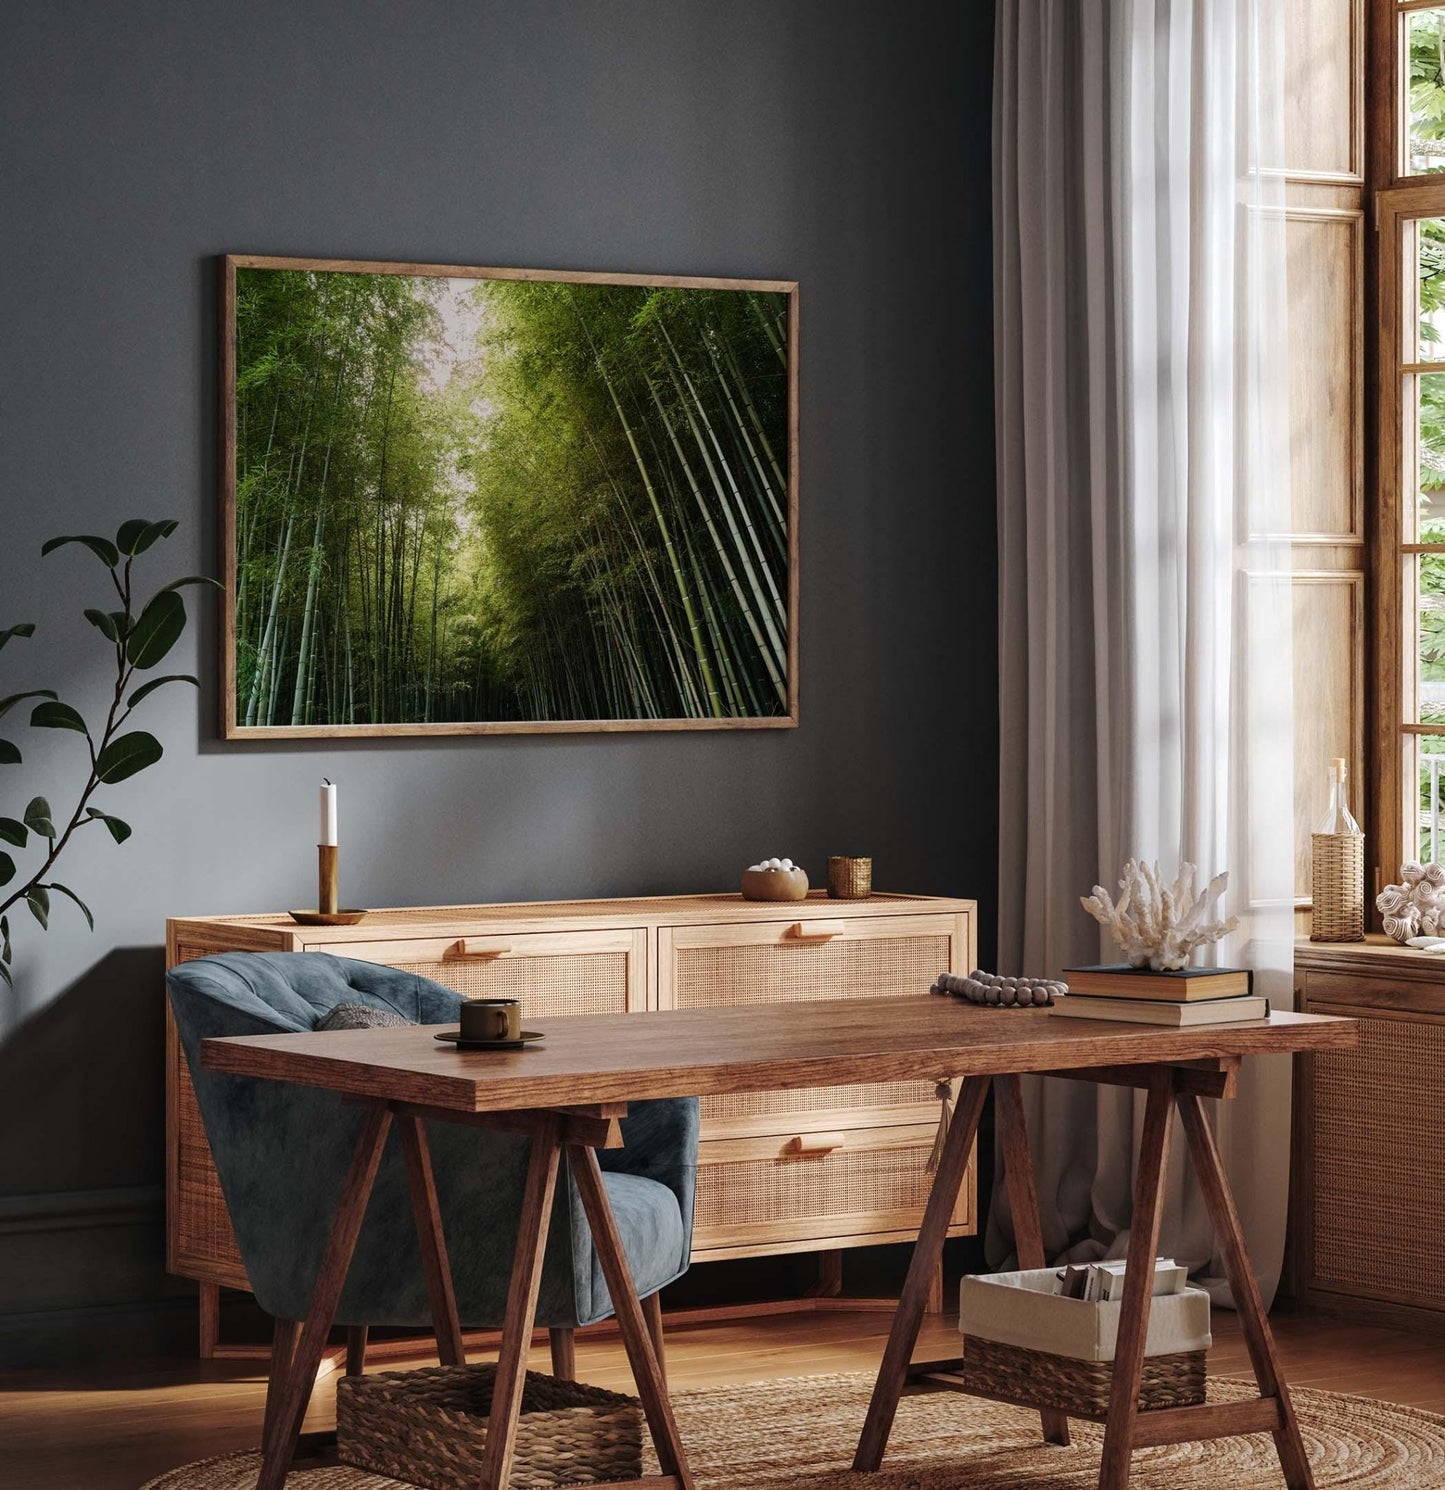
column 139, row 637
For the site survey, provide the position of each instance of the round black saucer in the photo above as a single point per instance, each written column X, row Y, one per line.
column 454, row 1037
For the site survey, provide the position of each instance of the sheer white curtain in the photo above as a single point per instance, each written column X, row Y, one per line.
column 1143, row 497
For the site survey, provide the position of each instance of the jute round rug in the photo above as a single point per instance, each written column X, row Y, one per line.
column 799, row 1434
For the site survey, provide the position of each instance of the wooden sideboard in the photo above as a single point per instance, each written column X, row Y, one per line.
column 1368, row 1230
column 789, row 1171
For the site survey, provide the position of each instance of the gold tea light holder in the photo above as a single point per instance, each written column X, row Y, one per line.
column 327, row 912
column 850, row 877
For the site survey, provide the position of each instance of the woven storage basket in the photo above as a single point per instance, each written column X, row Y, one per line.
column 429, row 1427
column 1026, row 1344
column 1078, row 1387
column 1337, row 885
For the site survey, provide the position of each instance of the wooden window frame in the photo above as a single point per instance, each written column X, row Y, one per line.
column 1398, row 198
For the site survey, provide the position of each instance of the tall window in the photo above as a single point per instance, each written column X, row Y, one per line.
column 1411, row 280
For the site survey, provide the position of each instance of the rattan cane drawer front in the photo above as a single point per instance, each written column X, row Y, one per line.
column 562, row 972
column 766, row 963
column 760, row 1196
column 1378, row 1161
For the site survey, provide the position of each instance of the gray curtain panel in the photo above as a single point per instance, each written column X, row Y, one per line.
column 1143, row 488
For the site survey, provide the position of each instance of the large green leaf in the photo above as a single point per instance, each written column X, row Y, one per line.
column 37, row 818
column 102, row 548
column 13, row 832
column 6, row 704
column 105, row 622
column 25, row 628
column 71, row 895
column 192, row 579
column 136, row 536
column 119, row 830
column 7, row 868
column 157, row 630
column 55, row 715
column 9, row 753
column 37, row 898
column 149, row 688
column 126, row 755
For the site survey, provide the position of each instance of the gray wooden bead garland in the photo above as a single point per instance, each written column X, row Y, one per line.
column 994, row 991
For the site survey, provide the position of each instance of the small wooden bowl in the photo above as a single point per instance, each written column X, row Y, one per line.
column 774, row 884
column 325, row 918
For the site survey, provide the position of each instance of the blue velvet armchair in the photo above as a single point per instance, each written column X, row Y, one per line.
column 282, row 1152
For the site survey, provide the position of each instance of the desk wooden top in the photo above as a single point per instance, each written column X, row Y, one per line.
column 591, row 1058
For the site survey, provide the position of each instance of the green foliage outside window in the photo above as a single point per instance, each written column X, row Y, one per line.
column 1427, row 90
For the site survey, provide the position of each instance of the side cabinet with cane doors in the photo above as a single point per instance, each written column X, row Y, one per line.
column 778, row 1171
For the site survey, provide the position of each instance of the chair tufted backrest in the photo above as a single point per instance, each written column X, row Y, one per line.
column 294, row 990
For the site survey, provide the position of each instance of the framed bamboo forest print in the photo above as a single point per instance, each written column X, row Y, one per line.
column 469, row 501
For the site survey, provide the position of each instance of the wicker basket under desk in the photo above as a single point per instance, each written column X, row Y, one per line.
column 429, row 1427
column 1081, row 1388
column 1025, row 1344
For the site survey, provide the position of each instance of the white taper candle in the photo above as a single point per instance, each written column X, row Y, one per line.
column 328, row 813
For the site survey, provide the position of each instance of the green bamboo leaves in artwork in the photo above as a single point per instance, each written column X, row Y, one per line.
column 463, row 500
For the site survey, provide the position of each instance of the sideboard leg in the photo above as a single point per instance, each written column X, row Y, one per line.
column 830, row 1275
column 1023, row 1200
column 1254, row 1323
column 209, row 1318
column 927, row 1253
column 1144, row 1224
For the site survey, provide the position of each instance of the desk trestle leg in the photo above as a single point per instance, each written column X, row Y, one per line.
column 937, row 1215
column 1126, row 1427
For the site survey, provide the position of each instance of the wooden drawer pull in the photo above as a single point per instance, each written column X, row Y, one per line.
column 464, row 948
column 815, row 1143
column 815, row 931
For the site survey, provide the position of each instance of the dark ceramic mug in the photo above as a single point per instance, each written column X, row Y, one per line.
column 491, row 1020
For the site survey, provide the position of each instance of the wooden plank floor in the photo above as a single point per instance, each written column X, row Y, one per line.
column 113, row 1428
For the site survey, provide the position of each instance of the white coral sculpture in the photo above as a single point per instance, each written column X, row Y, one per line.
column 1158, row 925
column 1416, row 907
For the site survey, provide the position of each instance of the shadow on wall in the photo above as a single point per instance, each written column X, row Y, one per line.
column 82, row 1150
column 82, row 1096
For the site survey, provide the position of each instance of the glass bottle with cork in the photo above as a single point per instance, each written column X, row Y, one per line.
column 1337, row 864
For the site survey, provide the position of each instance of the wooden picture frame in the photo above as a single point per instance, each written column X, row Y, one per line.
column 245, row 721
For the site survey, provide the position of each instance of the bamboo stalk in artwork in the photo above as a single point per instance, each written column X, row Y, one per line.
column 473, row 499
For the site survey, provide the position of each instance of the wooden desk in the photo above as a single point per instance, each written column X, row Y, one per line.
column 568, row 1093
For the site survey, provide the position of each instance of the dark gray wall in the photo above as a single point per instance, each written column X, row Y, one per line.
column 841, row 144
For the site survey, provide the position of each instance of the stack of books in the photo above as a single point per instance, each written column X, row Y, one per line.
column 1139, row 995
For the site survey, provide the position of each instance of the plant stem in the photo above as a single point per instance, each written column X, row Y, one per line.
column 123, row 672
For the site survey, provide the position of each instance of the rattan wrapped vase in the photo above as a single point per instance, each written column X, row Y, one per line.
column 1337, row 883
column 849, row 878
column 429, row 1428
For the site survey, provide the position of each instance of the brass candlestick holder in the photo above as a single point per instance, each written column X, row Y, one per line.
column 326, row 879
column 328, row 911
